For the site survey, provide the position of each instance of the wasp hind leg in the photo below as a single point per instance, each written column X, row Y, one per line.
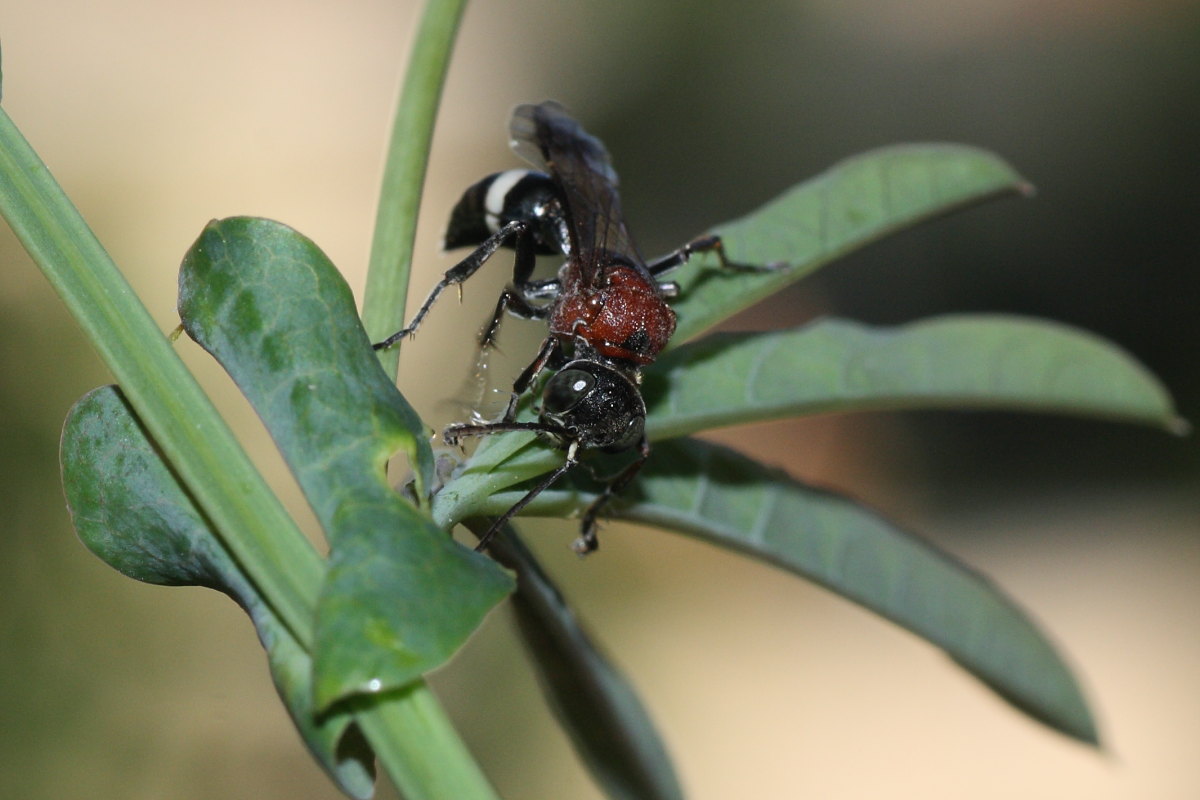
column 516, row 232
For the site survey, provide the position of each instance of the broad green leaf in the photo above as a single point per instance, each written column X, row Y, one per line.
column 960, row 361
column 252, row 524
column 400, row 596
column 608, row 725
column 852, row 204
column 132, row 512
column 717, row 495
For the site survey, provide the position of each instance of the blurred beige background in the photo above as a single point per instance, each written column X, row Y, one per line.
column 156, row 117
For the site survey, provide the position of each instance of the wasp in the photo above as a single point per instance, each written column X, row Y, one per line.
column 606, row 308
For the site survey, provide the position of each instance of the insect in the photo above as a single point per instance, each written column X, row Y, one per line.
column 606, row 308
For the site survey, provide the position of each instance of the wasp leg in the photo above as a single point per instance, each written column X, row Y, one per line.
column 706, row 244
column 515, row 301
column 516, row 298
column 540, row 290
column 502, row 520
column 588, row 541
column 549, row 350
column 516, row 231
column 454, row 433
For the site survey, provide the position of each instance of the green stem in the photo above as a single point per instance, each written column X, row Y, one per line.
column 404, row 174
column 499, row 463
column 414, row 740
column 436, row 765
column 194, row 438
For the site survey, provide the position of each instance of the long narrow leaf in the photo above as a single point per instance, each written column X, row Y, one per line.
column 956, row 361
column 720, row 496
column 607, row 723
column 850, row 205
column 959, row 361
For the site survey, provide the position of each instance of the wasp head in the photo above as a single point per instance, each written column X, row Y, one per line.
column 597, row 405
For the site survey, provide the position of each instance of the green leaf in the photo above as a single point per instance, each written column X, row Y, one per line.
column 717, row 495
column 253, row 525
column 400, row 596
column 848, row 206
column 593, row 701
column 132, row 512
column 498, row 463
column 852, row 204
column 959, row 361
column 832, row 365
column 195, row 440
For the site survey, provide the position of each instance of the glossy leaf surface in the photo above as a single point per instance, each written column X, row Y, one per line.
column 131, row 511
column 400, row 596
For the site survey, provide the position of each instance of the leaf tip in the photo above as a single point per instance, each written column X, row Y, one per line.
column 1087, row 734
column 1178, row 426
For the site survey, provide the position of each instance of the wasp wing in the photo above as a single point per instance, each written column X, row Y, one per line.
column 546, row 136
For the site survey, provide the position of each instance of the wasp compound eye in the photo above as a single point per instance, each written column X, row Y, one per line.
column 565, row 391
column 597, row 404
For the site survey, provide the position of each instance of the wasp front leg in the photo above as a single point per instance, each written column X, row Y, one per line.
column 549, row 351
column 588, row 542
column 543, row 485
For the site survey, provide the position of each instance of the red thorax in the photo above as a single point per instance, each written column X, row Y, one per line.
column 625, row 319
